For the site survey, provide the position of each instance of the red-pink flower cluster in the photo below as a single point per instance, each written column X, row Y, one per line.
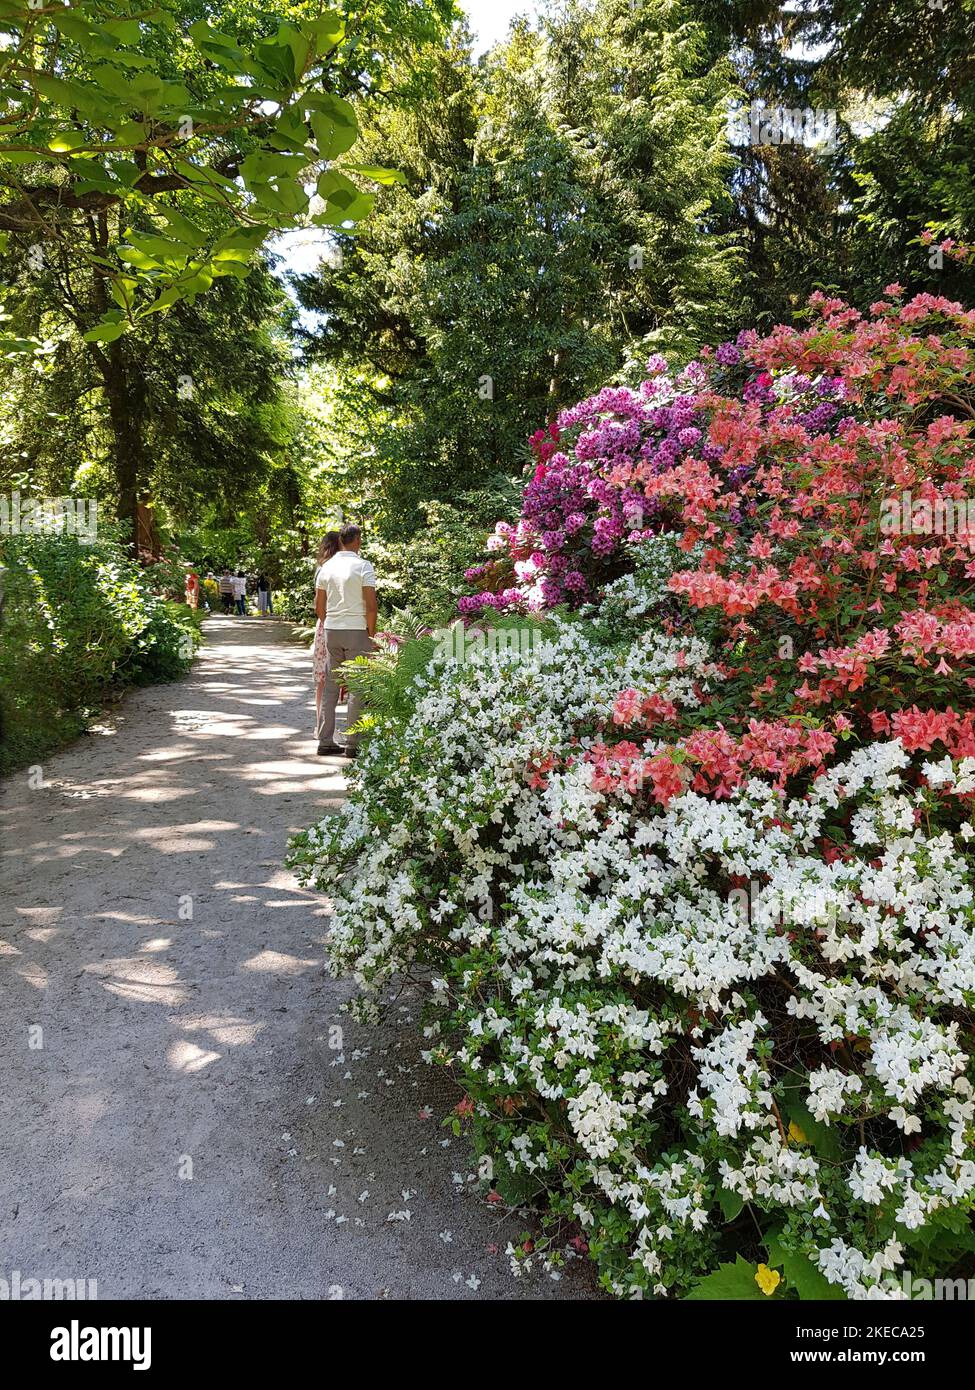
column 821, row 476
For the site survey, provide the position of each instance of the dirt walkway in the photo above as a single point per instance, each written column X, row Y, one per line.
column 175, row 1122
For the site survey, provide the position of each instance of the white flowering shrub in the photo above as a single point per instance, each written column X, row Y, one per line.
column 739, row 1067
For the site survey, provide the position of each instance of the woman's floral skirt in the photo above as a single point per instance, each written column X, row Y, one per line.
column 319, row 653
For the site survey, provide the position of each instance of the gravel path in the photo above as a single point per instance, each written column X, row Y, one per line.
column 177, row 1120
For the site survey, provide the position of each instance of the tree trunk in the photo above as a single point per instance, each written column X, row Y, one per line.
column 124, row 392
column 125, row 401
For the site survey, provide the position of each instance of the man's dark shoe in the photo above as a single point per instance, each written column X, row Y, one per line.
column 329, row 750
column 350, row 752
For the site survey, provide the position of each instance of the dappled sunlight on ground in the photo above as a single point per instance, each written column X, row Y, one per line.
column 177, row 1110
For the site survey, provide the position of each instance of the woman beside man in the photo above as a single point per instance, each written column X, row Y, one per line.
column 346, row 612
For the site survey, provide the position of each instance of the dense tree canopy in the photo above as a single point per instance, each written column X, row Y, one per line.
column 506, row 233
column 146, row 156
column 556, row 219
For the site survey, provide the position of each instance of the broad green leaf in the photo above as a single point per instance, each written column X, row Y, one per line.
column 299, row 44
column 773, row 1244
column 196, row 283
column 131, row 60
column 125, row 30
column 219, row 48
column 166, row 300
column 377, row 173
column 328, row 30
column 262, row 165
column 808, row 1282
column 162, row 248
column 104, row 333
column 123, row 291
column 182, row 228
column 66, row 140
column 57, row 89
column 823, row 1139
column 731, row 1203
column 290, row 132
column 239, row 269
column 199, row 175
column 333, row 185
column 116, row 82
column 131, row 255
column 334, row 123
column 276, row 60
column 239, row 245
column 729, row 1283
column 130, row 133
column 343, row 201
column 99, row 181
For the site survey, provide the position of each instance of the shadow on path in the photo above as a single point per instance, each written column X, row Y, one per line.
column 180, row 1117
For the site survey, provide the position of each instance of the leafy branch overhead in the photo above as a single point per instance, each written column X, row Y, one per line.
column 135, row 121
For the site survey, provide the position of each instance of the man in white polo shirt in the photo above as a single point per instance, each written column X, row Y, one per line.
column 345, row 599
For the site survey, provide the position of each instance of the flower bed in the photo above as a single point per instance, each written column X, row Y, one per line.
column 691, row 870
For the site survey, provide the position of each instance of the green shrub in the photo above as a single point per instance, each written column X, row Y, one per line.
column 294, row 598
column 425, row 571
column 78, row 622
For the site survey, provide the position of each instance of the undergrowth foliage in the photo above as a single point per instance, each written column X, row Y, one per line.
column 691, row 873
column 80, row 620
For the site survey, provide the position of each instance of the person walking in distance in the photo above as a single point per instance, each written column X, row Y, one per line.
column 226, row 588
column 264, row 595
column 345, row 601
column 240, row 593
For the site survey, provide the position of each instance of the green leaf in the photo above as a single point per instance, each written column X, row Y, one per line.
column 822, row 1138
column 130, row 133
column 125, row 30
column 290, row 132
column 104, row 333
column 344, row 202
column 240, row 245
column 66, row 140
column 334, row 123
column 200, row 175
column 729, row 1283
column 377, row 173
column 773, row 1244
column 328, row 30
column 808, row 1282
column 731, row 1203
column 299, row 44
column 57, row 89
column 275, row 60
column 182, row 228
column 162, row 249
column 165, row 301
column 219, row 48
column 123, row 291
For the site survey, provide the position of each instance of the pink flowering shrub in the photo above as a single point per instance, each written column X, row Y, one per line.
column 692, row 875
column 587, row 497
column 821, row 477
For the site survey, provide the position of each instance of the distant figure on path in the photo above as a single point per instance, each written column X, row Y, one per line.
column 226, row 588
column 240, row 592
column 264, row 595
column 345, row 602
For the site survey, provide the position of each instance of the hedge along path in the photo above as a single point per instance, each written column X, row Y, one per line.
column 180, row 1117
